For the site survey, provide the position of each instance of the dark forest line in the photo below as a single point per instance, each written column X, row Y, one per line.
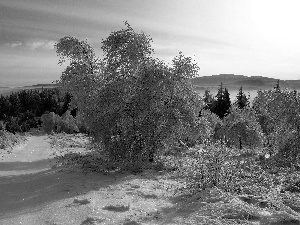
column 22, row 110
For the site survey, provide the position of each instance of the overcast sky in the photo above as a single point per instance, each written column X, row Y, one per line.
column 248, row 37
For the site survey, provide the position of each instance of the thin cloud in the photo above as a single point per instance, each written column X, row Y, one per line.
column 32, row 45
column 16, row 44
column 45, row 45
column 49, row 45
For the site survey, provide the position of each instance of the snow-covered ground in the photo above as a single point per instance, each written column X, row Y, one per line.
column 33, row 193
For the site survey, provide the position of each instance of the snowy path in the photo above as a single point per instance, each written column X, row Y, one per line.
column 32, row 156
column 30, row 188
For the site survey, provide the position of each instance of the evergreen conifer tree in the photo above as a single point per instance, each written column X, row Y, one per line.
column 226, row 100
column 222, row 103
column 241, row 99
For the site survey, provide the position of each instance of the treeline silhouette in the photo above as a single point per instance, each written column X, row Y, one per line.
column 22, row 110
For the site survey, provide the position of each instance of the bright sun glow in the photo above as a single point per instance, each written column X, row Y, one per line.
column 277, row 22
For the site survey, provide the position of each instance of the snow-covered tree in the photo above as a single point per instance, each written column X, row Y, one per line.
column 130, row 101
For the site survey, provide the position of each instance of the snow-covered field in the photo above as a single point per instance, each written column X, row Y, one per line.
column 33, row 193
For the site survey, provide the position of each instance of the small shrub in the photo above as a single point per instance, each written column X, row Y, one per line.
column 62, row 140
column 215, row 165
column 204, row 168
column 240, row 129
column 25, row 127
column 8, row 139
column 66, row 124
column 13, row 126
column 206, row 127
column 49, row 122
column 288, row 154
column 54, row 123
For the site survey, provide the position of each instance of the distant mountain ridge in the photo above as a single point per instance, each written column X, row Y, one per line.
column 43, row 85
column 249, row 83
column 231, row 81
column 5, row 91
